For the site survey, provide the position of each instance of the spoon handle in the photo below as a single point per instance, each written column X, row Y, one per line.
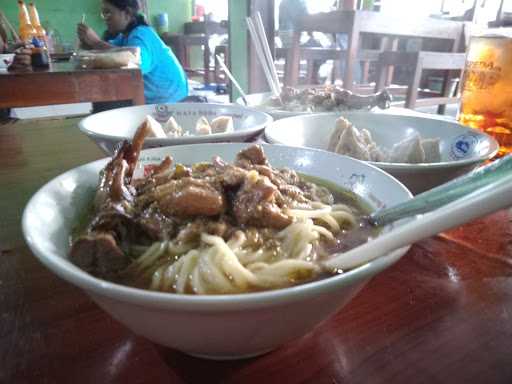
column 481, row 202
column 445, row 193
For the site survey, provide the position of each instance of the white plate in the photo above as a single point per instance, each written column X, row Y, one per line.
column 222, row 326
column 110, row 128
column 462, row 148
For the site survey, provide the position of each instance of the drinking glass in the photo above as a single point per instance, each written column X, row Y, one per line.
column 486, row 102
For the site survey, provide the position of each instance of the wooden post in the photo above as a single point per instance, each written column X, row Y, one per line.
column 292, row 70
column 351, row 55
column 242, row 55
column 412, row 90
column 389, row 44
column 239, row 44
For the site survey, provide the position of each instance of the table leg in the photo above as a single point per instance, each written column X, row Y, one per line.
column 351, row 56
column 206, row 60
column 292, row 68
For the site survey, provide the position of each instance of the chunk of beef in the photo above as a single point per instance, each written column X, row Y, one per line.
column 157, row 224
column 251, row 156
column 126, row 229
column 255, row 203
column 99, row 254
column 233, row 176
column 286, row 181
column 193, row 230
column 204, row 170
column 190, row 197
column 317, row 193
column 289, row 94
column 163, row 167
column 291, row 196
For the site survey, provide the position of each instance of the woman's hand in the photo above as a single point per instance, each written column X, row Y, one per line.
column 22, row 60
column 87, row 36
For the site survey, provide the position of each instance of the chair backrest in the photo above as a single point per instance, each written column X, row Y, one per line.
column 381, row 24
column 357, row 23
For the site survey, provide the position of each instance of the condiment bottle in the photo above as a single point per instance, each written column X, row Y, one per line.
column 40, row 57
column 27, row 30
column 36, row 23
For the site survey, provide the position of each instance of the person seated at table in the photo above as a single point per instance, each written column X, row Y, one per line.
column 165, row 80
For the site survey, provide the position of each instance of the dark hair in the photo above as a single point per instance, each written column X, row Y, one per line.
column 134, row 7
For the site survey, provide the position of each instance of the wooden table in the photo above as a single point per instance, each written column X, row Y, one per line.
column 443, row 314
column 63, row 84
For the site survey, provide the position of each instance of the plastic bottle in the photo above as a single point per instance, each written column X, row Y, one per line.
column 40, row 57
column 36, row 23
column 162, row 23
column 27, row 30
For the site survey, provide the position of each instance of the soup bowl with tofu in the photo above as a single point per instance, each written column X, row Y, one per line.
column 420, row 151
column 175, row 124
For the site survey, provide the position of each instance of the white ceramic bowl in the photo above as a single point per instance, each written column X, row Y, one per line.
column 6, row 60
column 462, row 148
column 110, row 128
column 223, row 326
column 257, row 102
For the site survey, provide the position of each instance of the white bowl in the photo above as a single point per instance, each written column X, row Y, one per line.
column 110, row 128
column 6, row 60
column 387, row 129
column 257, row 101
column 222, row 326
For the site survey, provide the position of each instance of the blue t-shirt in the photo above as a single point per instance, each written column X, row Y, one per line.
column 165, row 80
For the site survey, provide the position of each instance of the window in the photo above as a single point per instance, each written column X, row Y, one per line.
column 219, row 8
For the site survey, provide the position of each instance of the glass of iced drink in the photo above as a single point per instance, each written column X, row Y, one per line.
column 486, row 102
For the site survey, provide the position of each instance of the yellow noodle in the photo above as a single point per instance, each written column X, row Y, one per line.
column 331, row 221
column 284, row 273
column 150, row 256
column 216, row 266
column 188, row 266
column 344, row 217
column 156, row 280
column 211, row 273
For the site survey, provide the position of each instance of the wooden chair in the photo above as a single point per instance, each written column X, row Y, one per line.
column 311, row 56
column 314, row 55
column 451, row 62
column 358, row 23
column 196, row 34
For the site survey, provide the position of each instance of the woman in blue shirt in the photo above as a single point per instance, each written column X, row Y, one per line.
column 165, row 80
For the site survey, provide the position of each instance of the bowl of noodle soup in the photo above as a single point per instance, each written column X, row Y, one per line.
column 229, row 325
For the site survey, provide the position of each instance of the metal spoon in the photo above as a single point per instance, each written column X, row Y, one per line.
column 481, row 192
